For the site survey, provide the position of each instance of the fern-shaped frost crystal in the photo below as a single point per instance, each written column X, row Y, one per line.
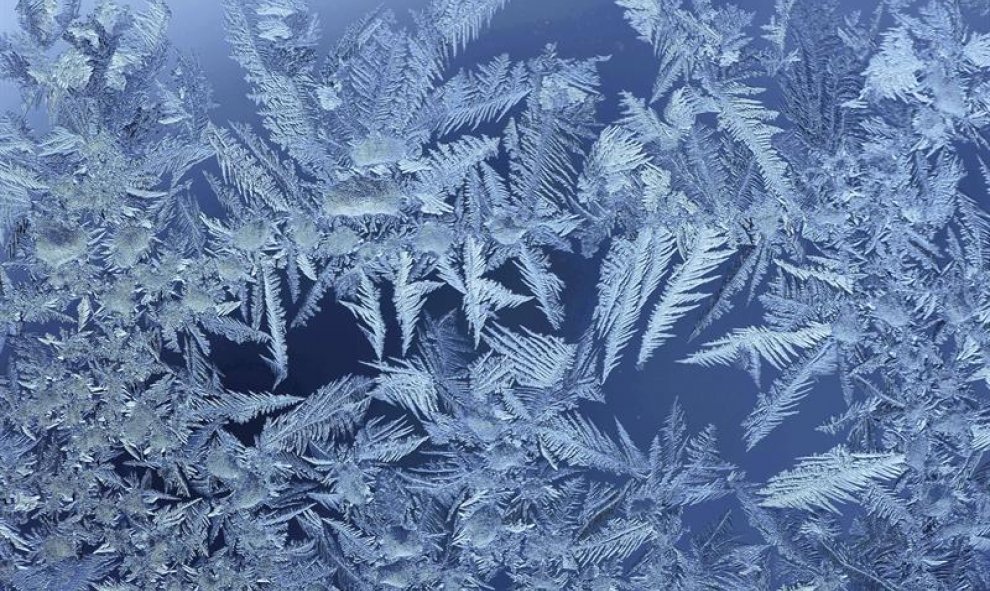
column 833, row 477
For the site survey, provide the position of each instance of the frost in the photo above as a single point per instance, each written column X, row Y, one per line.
column 798, row 198
column 893, row 72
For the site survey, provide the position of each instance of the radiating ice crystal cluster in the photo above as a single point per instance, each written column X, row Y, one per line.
column 820, row 171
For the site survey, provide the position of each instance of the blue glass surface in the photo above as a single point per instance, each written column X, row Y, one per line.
column 688, row 295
